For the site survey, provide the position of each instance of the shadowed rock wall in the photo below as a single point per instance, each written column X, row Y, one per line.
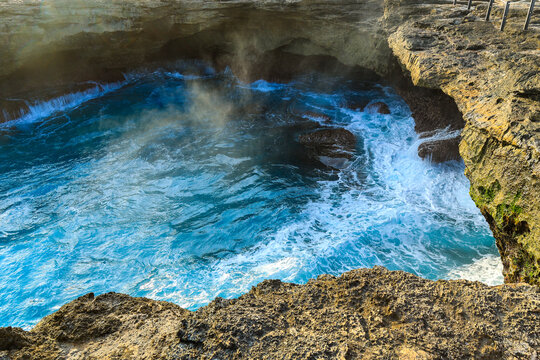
column 62, row 41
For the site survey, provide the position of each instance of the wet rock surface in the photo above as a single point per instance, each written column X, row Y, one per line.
column 440, row 150
column 317, row 116
column 366, row 313
column 378, row 107
column 332, row 147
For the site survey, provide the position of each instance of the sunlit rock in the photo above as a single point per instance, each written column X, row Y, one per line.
column 366, row 313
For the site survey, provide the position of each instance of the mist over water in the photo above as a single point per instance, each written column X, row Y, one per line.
column 184, row 188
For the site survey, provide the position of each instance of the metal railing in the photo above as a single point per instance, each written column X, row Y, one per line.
column 529, row 14
column 505, row 13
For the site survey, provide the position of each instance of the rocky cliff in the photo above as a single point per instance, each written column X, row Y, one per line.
column 368, row 314
column 494, row 78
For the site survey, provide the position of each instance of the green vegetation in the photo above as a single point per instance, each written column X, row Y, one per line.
column 489, row 193
column 526, row 269
column 508, row 213
column 483, row 195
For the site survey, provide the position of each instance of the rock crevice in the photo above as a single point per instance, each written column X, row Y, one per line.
column 487, row 72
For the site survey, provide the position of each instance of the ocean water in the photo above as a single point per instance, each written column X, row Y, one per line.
column 184, row 188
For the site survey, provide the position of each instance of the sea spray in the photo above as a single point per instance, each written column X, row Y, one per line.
column 185, row 189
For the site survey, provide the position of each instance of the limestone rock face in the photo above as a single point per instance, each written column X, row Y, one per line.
column 367, row 314
column 56, row 42
column 494, row 78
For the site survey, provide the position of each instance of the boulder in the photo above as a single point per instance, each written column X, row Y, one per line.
column 378, row 107
column 440, row 150
column 316, row 115
column 332, row 147
column 356, row 105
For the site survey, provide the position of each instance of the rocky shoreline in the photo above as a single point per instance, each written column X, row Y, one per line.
column 487, row 81
column 366, row 313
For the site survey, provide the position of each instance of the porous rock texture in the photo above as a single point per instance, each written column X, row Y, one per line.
column 367, row 313
column 494, row 78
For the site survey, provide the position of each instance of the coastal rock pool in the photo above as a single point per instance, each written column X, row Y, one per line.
column 184, row 188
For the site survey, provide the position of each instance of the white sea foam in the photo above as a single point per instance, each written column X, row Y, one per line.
column 227, row 160
column 177, row 211
column 487, row 269
column 43, row 109
column 180, row 76
column 263, row 86
column 404, row 213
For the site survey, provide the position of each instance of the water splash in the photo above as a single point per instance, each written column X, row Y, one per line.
column 187, row 189
column 487, row 269
column 43, row 109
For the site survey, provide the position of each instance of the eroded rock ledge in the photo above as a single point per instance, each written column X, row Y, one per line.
column 366, row 313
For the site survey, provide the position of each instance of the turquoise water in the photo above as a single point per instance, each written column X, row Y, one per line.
column 184, row 188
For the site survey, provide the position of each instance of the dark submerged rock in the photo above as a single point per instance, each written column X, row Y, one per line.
column 337, row 138
column 332, row 147
column 316, row 115
column 440, row 150
column 356, row 105
column 378, row 107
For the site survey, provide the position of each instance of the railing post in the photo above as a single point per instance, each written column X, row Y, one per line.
column 529, row 14
column 505, row 14
column 490, row 6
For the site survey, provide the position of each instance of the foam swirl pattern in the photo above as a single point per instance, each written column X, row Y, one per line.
column 184, row 188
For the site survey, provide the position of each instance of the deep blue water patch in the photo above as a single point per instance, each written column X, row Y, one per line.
column 186, row 188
